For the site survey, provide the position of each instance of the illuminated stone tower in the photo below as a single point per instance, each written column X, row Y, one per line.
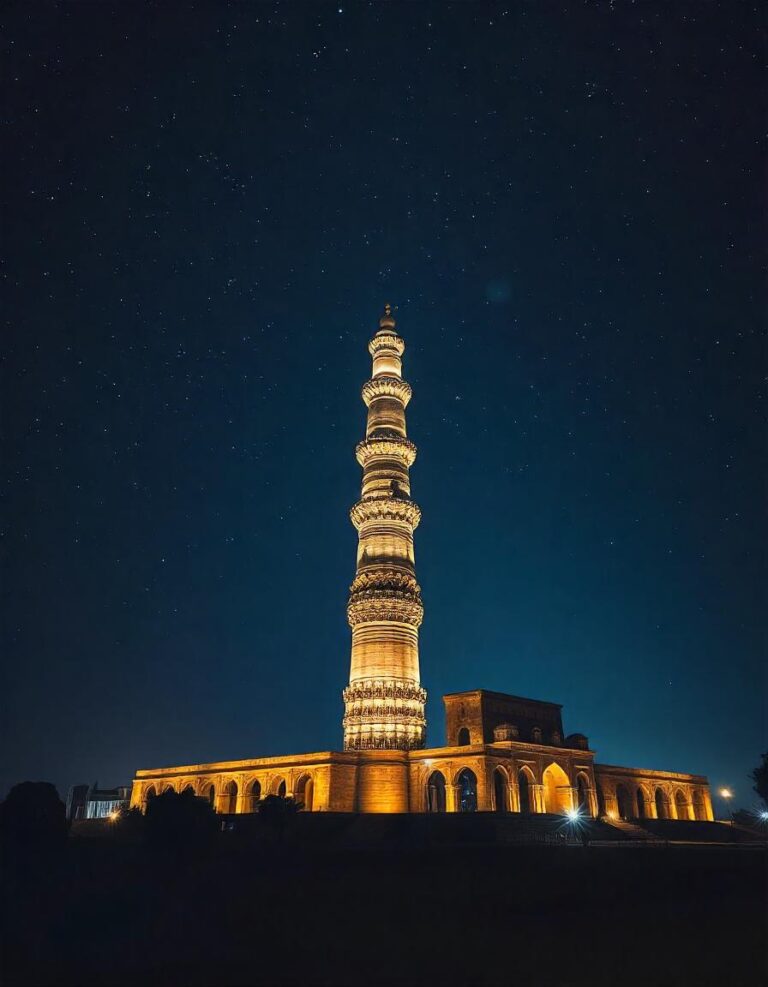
column 384, row 701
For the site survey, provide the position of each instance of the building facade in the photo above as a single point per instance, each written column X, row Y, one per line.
column 504, row 753
column 92, row 802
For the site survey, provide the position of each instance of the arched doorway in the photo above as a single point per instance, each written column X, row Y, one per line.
column 600, row 799
column 436, row 792
column 463, row 738
column 149, row 794
column 188, row 790
column 305, row 790
column 681, row 805
column 524, row 788
column 229, row 798
column 499, row 790
column 210, row 794
column 467, row 783
column 661, row 804
column 624, row 802
column 254, row 795
column 582, row 795
column 640, row 804
column 557, row 790
column 278, row 787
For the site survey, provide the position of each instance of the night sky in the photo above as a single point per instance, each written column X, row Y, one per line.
column 205, row 207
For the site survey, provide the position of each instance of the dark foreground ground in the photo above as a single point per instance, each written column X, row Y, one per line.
column 245, row 911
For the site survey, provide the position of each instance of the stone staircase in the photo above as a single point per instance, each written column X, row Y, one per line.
column 632, row 831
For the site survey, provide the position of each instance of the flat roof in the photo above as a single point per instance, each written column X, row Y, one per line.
column 501, row 695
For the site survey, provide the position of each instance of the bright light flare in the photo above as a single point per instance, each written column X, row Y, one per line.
column 725, row 793
column 573, row 814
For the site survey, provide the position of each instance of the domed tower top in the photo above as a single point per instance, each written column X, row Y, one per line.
column 387, row 321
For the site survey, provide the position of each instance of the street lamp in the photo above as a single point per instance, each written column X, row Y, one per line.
column 726, row 795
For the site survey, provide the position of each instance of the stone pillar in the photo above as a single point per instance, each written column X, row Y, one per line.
column 514, row 797
column 592, row 806
column 537, row 798
column 451, row 798
column 611, row 806
column 708, row 806
column 484, row 790
column 572, row 797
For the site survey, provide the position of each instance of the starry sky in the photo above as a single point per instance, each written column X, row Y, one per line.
column 205, row 207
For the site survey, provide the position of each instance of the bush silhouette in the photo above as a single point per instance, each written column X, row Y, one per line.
column 33, row 816
column 276, row 810
column 179, row 821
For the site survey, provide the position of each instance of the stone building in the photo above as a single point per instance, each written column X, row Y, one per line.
column 504, row 754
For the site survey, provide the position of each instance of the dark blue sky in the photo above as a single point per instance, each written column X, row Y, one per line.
column 204, row 211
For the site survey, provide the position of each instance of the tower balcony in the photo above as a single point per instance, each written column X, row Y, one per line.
column 385, row 509
column 387, row 446
column 375, row 606
column 391, row 387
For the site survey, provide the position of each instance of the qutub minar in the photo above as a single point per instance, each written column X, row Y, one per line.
column 504, row 753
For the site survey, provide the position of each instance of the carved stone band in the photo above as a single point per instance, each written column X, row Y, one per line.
column 384, row 689
column 386, row 446
column 374, row 606
column 386, row 341
column 385, row 509
column 392, row 387
column 386, row 577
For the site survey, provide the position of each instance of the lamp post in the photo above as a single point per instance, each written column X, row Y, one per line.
column 726, row 795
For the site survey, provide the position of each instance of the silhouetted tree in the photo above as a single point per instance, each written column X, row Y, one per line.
column 760, row 778
column 179, row 821
column 33, row 816
column 276, row 810
column 127, row 822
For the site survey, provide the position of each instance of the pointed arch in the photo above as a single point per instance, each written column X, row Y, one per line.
column 681, row 805
column 525, row 782
column 582, row 794
column 254, row 795
column 643, row 798
column 661, row 800
column 466, row 781
column 305, row 792
column 500, row 789
column 278, row 786
column 436, row 792
column 624, row 802
column 228, row 799
column 557, row 789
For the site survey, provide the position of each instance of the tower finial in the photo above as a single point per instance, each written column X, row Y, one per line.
column 387, row 320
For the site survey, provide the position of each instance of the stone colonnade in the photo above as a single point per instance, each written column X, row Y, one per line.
column 653, row 795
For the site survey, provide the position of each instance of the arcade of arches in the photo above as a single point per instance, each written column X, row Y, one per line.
column 483, row 781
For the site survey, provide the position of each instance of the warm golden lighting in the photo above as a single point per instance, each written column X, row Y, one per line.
column 504, row 754
column 384, row 702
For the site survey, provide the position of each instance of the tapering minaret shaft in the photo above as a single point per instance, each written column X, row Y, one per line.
column 384, row 702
